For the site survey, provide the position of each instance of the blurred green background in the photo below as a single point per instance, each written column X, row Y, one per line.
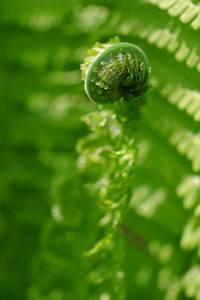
column 47, row 220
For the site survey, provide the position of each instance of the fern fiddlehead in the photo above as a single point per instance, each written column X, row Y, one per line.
column 117, row 76
column 115, row 70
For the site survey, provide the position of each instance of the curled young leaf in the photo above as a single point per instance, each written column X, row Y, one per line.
column 115, row 71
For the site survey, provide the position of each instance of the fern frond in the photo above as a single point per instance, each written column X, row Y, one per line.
column 173, row 128
column 187, row 11
column 191, row 283
column 189, row 189
column 185, row 99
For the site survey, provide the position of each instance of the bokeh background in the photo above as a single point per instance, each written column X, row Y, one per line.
column 46, row 220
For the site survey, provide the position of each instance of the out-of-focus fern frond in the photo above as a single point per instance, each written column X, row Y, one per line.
column 184, row 9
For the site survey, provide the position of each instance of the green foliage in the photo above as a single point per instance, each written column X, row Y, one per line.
column 91, row 209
